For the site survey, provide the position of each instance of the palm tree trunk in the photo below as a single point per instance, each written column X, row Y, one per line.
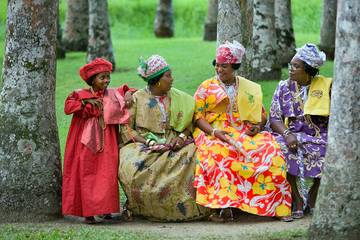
column 30, row 171
column 100, row 44
column 211, row 22
column 284, row 31
column 164, row 23
column 264, row 61
column 328, row 25
column 76, row 25
column 336, row 215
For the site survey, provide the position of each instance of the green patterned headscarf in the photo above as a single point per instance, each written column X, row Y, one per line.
column 153, row 67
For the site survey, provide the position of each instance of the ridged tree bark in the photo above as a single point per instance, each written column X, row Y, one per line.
column 211, row 21
column 284, row 31
column 100, row 44
column 164, row 23
column 76, row 25
column 30, row 171
column 336, row 215
column 328, row 28
column 264, row 60
column 235, row 23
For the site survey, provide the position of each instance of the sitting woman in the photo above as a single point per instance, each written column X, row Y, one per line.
column 157, row 164
column 299, row 116
column 238, row 165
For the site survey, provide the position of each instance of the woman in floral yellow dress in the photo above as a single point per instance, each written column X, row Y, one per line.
column 238, row 165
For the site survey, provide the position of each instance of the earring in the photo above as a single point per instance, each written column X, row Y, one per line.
column 158, row 84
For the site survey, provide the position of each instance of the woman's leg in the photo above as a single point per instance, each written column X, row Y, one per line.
column 313, row 193
column 296, row 198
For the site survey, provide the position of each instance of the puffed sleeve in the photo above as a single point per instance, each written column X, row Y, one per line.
column 275, row 107
column 125, row 88
column 74, row 105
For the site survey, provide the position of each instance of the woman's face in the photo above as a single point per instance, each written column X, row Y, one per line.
column 166, row 82
column 224, row 71
column 101, row 81
column 297, row 72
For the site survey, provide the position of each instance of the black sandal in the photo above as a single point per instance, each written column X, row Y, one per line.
column 90, row 220
column 225, row 215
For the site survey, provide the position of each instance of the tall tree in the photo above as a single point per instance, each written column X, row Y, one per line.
column 284, row 31
column 328, row 28
column 164, row 23
column 264, row 61
column 235, row 23
column 30, row 171
column 60, row 48
column 100, row 44
column 229, row 21
column 336, row 215
column 211, row 22
column 76, row 25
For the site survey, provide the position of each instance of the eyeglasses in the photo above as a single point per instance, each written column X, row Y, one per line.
column 294, row 67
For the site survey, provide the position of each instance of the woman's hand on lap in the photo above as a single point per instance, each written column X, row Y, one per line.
column 291, row 142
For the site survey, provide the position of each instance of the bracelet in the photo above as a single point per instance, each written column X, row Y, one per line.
column 213, row 132
column 287, row 132
column 182, row 136
column 150, row 142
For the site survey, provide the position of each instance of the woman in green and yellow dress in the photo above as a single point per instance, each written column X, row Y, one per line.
column 157, row 162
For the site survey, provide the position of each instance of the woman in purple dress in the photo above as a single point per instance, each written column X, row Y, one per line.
column 299, row 116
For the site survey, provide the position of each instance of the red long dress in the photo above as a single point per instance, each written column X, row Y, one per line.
column 90, row 178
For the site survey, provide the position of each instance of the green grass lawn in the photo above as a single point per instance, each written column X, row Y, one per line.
column 52, row 231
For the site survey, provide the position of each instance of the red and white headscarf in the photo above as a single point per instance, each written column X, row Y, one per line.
column 231, row 53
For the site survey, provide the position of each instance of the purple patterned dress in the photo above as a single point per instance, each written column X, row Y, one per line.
column 310, row 131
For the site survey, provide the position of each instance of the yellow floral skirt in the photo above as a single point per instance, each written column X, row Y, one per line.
column 252, row 179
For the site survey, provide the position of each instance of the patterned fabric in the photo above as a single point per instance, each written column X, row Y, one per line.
column 230, row 52
column 252, row 178
column 287, row 106
column 152, row 67
column 98, row 65
column 311, row 55
column 158, row 186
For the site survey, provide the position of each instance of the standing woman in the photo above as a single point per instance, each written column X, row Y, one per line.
column 238, row 165
column 157, row 163
column 299, row 116
column 90, row 185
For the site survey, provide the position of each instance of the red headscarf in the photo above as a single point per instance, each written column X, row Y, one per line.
column 96, row 66
column 230, row 52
